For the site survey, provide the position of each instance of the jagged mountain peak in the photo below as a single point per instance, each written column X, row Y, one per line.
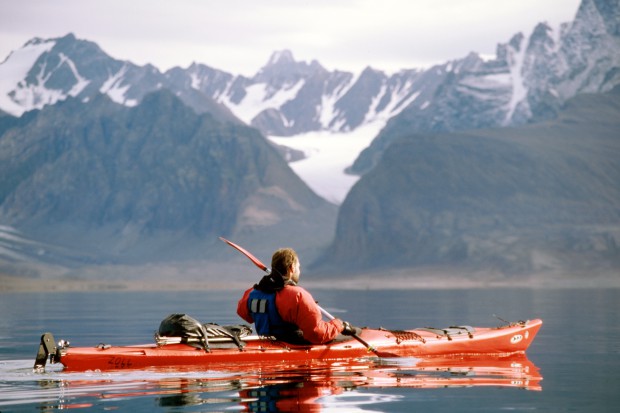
column 281, row 57
column 370, row 70
column 282, row 69
column 516, row 41
column 542, row 40
column 66, row 39
column 285, row 58
column 542, row 29
column 35, row 41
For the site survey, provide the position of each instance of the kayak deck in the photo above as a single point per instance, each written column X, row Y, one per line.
column 508, row 339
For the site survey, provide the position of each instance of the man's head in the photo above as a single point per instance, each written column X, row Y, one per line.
column 285, row 262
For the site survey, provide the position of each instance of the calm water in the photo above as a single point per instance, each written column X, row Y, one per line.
column 576, row 353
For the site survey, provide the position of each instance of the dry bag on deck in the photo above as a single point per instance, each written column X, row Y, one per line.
column 181, row 328
column 187, row 328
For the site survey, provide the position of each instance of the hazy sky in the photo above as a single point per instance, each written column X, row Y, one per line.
column 238, row 36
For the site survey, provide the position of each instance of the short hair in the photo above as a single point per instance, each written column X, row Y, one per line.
column 282, row 260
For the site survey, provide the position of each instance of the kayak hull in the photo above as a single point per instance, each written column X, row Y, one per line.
column 513, row 338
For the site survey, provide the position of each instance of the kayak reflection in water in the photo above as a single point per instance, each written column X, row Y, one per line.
column 293, row 396
column 344, row 386
column 279, row 307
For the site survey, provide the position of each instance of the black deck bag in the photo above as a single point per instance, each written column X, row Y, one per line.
column 189, row 329
column 185, row 329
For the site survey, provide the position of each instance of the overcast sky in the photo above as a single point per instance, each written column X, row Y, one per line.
column 238, row 36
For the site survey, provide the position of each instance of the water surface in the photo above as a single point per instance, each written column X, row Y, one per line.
column 573, row 364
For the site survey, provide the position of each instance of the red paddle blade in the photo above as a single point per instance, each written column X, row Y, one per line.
column 252, row 258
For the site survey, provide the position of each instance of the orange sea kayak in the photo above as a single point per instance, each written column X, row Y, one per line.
column 254, row 350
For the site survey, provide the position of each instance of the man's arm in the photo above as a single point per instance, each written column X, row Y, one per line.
column 297, row 306
column 242, row 307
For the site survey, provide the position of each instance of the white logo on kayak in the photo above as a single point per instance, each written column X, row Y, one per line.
column 516, row 338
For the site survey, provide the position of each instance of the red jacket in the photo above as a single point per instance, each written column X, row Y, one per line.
column 296, row 306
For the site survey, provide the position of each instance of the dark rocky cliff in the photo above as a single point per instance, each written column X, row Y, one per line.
column 513, row 200
column 143, row 182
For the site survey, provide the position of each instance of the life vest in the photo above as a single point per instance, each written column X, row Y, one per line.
column 267, row 320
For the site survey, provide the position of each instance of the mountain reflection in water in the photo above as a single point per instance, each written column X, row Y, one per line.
column 278, row 387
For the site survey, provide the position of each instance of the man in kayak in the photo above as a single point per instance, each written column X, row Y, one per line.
column 279, row 307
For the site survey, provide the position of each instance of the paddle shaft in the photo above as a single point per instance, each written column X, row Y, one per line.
column 263, row 267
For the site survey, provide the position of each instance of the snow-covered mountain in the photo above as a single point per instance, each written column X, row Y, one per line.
column 46, row 71
column 287, row 97
column 530, row 77
column 284, row 98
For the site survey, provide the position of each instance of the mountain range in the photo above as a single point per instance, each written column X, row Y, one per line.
column 116, row 161
column 529, row 78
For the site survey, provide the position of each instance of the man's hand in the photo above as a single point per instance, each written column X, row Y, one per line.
column 349, row 330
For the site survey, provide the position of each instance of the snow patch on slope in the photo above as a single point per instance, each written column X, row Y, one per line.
column 257, row 99
column 115, row 90
column 15, row 96
column 398, row 102
column 519, row 91
column 81, row 82
column 328, row 114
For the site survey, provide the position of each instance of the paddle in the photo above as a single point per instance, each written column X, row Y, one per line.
column 263, row 267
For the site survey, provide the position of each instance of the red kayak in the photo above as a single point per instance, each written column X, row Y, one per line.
column 225, row 351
